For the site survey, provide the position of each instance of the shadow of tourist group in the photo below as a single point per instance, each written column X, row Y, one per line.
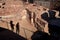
column 17, row 26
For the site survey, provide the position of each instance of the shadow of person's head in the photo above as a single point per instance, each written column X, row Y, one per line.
column 11, row 21
column 39, row 35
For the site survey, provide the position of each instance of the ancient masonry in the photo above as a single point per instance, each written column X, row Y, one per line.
column 15, row 10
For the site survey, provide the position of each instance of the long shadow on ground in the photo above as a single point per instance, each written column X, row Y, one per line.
column 6, row 34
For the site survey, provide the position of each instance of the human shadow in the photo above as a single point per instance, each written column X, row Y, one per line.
column 17, row 28
column 6, row 34
column 39, row 35
column 12, row 25
column 54, row 32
